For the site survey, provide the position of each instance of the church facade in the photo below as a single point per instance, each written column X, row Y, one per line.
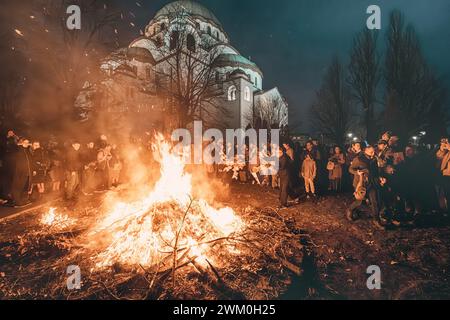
column 131, row 76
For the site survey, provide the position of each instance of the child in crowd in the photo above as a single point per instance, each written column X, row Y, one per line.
column 309, row 171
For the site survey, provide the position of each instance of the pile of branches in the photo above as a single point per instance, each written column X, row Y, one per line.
column 32, row 264
column 265, row 256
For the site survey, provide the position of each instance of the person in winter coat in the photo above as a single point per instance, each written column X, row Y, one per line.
column 442, row 182
column 335, row 174
column 353, row 152
column 89, row 164
column 56, row 171
column 309, row 172
column 115, row 167
column 21, row 183
column 384, row 154
column 73, row 165
column 284, row 171
column 102, row 168
column 7, row 164
column 319, row 155
column 39, row 166
column 445, row 172
column 365, row 168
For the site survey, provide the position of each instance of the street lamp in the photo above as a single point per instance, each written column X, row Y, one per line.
column 350, row 135
column 355, row 138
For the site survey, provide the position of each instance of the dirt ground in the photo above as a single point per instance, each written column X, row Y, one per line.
column 414, row 261
column 336, row 253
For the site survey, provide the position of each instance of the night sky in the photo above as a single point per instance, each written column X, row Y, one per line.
column 294, row 41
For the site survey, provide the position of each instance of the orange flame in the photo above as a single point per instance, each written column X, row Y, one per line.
column 145, row 231
column 55, row 220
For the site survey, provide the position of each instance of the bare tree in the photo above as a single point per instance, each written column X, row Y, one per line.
column 12, row 81
column 269, row 112
column 187, row 77
column 61, row 59
column 415, row 96
column 364, row 76
column 332, row 113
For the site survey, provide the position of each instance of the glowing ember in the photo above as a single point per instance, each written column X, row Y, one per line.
column 147, row 231
column 55, row 220
column 18, row 32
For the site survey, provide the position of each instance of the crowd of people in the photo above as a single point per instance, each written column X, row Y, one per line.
column 30, row 170
column 394, row 183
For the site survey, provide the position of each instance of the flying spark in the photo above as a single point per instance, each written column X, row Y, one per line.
column 18, row 32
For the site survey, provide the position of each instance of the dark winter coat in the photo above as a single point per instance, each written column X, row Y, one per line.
column 22, row 162
column 284, row 166
column 39, row 164
column 368, row 166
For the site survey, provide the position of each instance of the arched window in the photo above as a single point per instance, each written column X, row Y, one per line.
column 163, row 26
column 174, row 39
column 209, row 30
column 247, row 95
column 217, row 34
column 232, row 93
column 190, row 42
column 256, row 82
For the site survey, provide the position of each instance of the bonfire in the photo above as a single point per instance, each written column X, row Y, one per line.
column 165, row 224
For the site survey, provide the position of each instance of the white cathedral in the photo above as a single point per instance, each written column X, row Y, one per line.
column 129, row 85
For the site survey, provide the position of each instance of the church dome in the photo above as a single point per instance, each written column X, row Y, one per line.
column 235, row 60
column 192, row 7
